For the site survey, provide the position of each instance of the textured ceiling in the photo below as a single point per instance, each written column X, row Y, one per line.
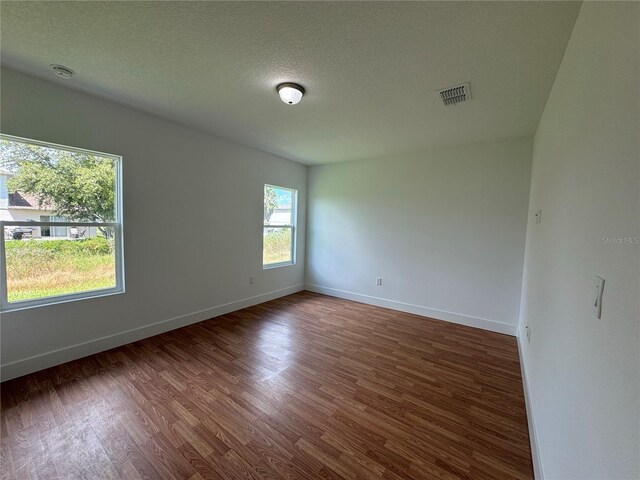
column 370, row 69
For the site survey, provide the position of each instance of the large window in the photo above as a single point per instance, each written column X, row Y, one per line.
column 60, row 223
column 279, row 236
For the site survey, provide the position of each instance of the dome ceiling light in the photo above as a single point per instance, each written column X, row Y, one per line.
column 290, row 93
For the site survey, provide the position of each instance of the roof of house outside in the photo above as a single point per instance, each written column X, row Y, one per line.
column 24, row 200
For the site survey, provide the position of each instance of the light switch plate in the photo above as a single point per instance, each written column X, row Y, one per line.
column 538, row 216
column 598, row 300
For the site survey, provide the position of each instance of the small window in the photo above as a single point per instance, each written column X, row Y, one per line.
column 61, row 226
column 279, row 236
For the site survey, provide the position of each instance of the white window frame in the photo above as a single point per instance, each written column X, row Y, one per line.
column 5, row 305
column 292, row 226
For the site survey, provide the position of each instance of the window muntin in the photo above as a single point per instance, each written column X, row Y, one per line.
column 278, row 234
column 61, row 231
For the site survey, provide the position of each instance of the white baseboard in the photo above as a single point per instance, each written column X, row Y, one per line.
column 538, row 471
column 459, row 318
column 56, row 357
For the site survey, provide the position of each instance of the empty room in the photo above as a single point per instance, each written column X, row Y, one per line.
column 291, row 240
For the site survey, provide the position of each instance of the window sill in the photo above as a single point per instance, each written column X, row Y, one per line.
column 277, row 265
column 56, row 300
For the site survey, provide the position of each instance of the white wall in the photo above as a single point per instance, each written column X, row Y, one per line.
column 445, row 229
column 193, row 216
column 22, row 214
column 583, row 373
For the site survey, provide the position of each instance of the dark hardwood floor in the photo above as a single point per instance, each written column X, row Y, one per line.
column 303, row 387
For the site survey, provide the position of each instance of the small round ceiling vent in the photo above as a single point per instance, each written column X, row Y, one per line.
column 62, row 71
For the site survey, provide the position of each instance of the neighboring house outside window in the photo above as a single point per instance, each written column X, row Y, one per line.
column 4, row 193
column 22, row 207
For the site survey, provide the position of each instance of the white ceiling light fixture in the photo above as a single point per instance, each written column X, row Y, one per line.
column 290, row 93
column 62, row 71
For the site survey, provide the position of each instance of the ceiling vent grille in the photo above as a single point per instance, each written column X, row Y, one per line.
column 454, row 95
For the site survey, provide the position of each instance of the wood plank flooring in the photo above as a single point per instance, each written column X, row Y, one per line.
column 303, row 387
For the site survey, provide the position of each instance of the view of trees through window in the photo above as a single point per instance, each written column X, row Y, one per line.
column 59, row 215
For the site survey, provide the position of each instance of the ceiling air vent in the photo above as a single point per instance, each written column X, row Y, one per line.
column 455, row 95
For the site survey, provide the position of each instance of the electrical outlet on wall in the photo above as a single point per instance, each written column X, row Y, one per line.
column 379, row 281
column 528, row 330
column 251, row 280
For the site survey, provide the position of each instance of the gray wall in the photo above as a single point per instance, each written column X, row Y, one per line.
column 583, row 373
column 186, row 258
column 445, row 229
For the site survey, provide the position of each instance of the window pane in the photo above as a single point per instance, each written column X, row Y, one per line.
column 279, row 221
column 45, row 231
column 277, row 245
column 43, row 266
column 78, row 190
column 39, row 180
column 278, row 205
